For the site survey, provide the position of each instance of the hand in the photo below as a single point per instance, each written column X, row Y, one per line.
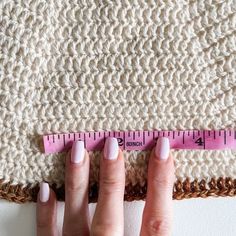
column 108, row 218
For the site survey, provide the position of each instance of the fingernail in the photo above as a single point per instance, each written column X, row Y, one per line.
column 162, row 148
column 44, row 192
column 111, row 149
column 77, row 152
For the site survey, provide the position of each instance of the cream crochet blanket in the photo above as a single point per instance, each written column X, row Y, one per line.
column 84, row 65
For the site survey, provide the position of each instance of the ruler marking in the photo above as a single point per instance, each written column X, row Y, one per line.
column 74, row 136
column 69, row 135
column 129, row 134
column 198, row 132
column 94, row 136
column 48, row 137
column 84, row 141
column 64, row 140
column 139, row 133
column 193, row 134
column 225, row 137
column 209, row 133
column 204, row 143
column 230, row 133
column 188, row 133
column 144, row 138
column 124, row 139
column 148, row 133
column 58, row 136
column 178, row 133
column 235, row 134
column 183, row 136
column 173, row 134
column 79, row 135
column 214, row 134
column 220, row 133
column 134, row 135
column 153, row 135
column 168, row 133
column 163, row 133
column 53, row 139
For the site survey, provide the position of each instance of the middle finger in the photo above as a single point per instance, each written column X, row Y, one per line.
column 76, row 191
column 109, row 217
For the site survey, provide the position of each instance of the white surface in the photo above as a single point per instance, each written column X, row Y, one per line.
column 205, row 217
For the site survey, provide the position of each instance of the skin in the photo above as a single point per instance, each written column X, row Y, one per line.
column 109, row 216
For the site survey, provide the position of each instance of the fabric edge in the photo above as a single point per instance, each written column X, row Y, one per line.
column 221, row 187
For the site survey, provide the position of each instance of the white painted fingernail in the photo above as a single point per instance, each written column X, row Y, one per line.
column 44, row 192
column 162, row 148
column 77, row 152
column 111, row 148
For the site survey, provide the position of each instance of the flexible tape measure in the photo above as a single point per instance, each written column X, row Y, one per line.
column 144, row 140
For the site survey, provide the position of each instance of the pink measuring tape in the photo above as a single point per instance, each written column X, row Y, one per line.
column 144, row 140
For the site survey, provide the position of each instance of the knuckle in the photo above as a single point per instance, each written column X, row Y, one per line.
column 69, row 233
column 158, row 227
column 164, row 181
column 72, row 229
column 106, row 230
column 75, row 185
column 43, row 223
column 110, row 184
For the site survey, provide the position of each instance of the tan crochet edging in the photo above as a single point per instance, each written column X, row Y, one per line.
column 182, row 190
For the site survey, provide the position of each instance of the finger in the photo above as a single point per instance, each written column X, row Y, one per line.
column 76, row 220
column 46, row 212
column 157, row 215
column 109, row 217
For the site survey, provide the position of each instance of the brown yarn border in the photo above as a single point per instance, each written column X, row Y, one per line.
column 220, row 187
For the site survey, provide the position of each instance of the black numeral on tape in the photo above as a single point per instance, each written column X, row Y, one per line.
column 200, row 142
column 120, row 141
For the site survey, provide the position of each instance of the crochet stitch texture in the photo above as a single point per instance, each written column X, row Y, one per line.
column 84, row 65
